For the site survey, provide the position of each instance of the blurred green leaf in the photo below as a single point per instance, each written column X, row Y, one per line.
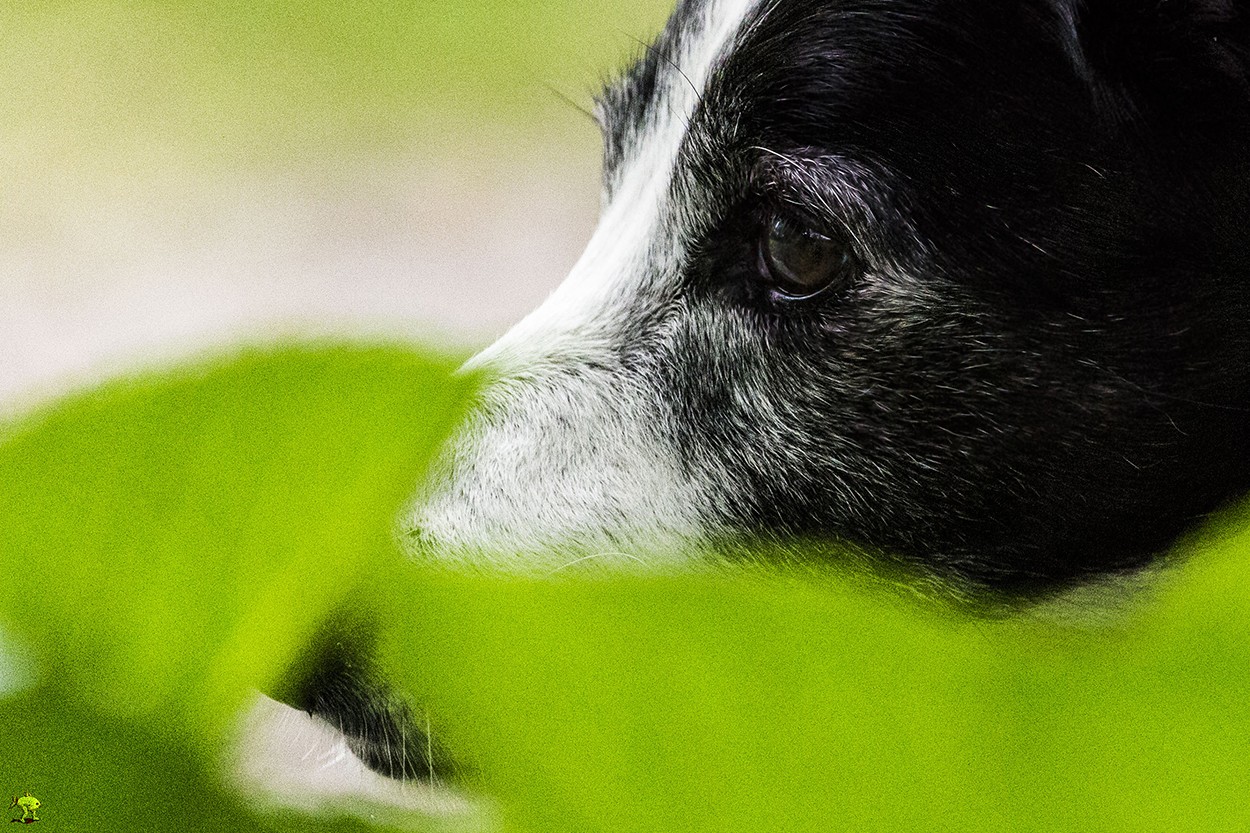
column 173, row 541
column 94, row 772
column 747, row 702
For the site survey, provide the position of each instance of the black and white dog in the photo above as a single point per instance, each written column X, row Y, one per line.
column 959, row 281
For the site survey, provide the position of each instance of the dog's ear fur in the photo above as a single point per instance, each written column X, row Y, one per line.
column 1178, row 60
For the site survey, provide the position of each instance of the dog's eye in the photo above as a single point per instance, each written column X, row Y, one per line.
column 799, row 262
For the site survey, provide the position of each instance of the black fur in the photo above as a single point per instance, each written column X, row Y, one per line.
column 1066, row 385
column 335, row 682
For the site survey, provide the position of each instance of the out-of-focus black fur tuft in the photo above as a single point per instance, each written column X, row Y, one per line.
column 336, row 683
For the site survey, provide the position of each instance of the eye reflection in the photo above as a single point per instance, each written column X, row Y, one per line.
column 800, row 262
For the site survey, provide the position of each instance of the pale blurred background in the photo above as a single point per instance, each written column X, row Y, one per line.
column 178, row 175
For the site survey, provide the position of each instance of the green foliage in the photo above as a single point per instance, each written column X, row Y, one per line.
column 743, row 701
column 171, row 542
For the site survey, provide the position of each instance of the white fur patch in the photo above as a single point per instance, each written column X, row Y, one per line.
column 617, row 255
column 567, row 462
column 284, row 760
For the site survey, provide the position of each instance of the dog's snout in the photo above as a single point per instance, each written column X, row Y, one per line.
column 561, row 466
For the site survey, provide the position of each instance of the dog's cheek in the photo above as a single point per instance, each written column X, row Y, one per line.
column 573, row 463
column 932, row 430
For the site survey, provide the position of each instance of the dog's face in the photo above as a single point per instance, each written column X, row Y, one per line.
column 962, row 282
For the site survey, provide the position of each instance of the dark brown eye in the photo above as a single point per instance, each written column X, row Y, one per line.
column 799, row 262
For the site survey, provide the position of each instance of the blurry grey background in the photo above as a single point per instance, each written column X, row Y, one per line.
column 184, row 175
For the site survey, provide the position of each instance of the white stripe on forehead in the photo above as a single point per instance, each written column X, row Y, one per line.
column 619, row 255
